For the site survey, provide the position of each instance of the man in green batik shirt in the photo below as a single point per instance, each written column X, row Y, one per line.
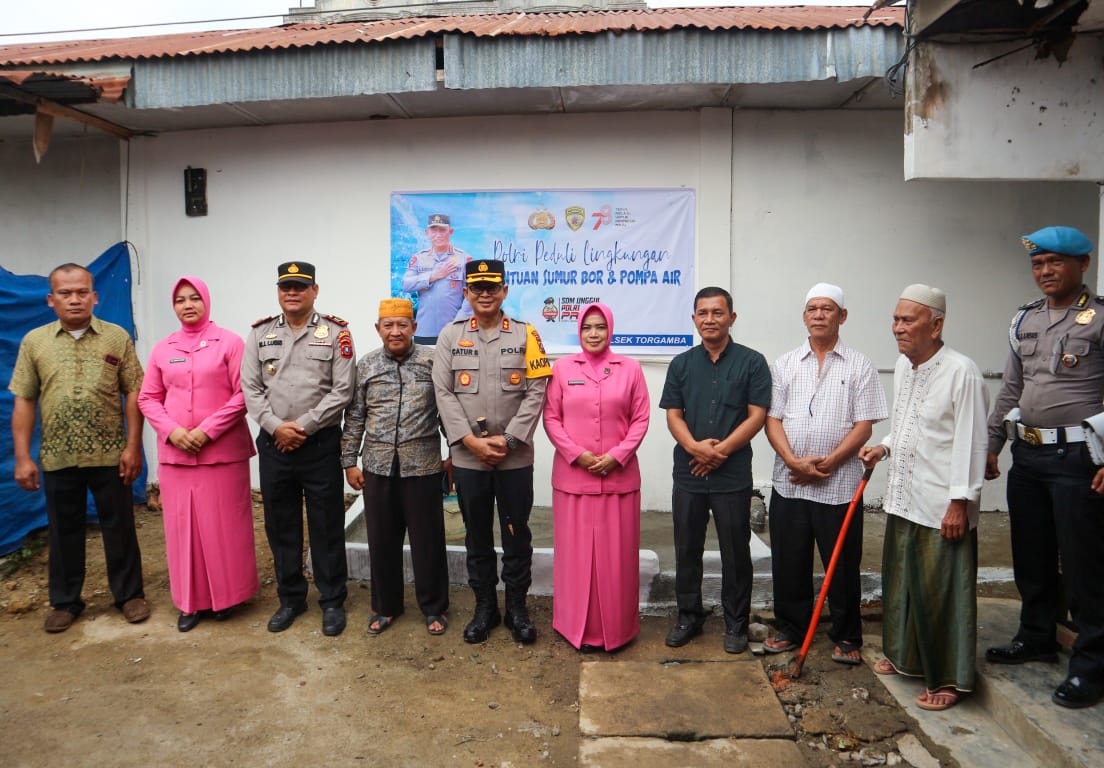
column 77, row 371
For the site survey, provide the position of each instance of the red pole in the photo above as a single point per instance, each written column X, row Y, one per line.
column 799, row 662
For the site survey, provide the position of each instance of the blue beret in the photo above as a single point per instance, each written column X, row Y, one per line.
column 1066, row 241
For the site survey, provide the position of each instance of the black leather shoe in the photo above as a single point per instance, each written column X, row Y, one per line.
column 735, row 642
column 480, row 627
column 522, row 627
column 224, row 614
column 333, row 621
column 681, row 634
column 1076, row 693
column 285, row 617
column 187, row 621
column 1018, row 652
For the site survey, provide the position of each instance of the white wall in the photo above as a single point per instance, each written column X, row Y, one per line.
column 813, row 195
column 67, row 208
column 819, row 196
column 1017, row 117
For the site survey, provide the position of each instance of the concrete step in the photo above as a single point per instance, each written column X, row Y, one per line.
column 1009, row 720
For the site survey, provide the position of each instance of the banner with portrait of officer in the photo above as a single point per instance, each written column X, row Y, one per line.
column 632, row 249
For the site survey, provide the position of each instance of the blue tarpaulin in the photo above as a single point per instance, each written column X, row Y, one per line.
column 23, row 298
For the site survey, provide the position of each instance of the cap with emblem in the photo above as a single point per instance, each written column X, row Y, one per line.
column 396, row 308
column 826, row 291
column 484, row 270
column 439, row 220
column 926, row 295
column 1065, row 241
column 295, row 272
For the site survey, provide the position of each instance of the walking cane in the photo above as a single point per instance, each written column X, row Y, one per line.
column 799, row 662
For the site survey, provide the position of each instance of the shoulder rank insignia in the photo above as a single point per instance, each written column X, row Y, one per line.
column 263, row 320
column 1033, row 304
column 336, row 320
column 473, row 324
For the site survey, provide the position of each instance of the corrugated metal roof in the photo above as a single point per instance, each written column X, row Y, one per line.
column 493, row 25
column 67, row 88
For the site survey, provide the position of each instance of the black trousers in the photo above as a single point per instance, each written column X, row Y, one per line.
column 1053, row 510
column 477, row 491
column 795, row 525
column 66, row 509
column 312, row 472
column 394, row 505
column 731, row 515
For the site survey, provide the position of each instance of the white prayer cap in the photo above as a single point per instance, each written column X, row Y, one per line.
column 926, row 295
column 826, row 291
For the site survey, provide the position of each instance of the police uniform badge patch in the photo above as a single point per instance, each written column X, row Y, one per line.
column 345, row 344
column 515, row 378
column 321, row 332
column 464, row 378
column 536, row 361
column 1085, row 316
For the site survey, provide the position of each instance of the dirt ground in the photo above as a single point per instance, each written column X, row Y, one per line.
column 109, row 693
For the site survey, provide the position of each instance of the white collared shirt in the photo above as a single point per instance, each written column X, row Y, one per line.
column 938, row 439
column 817, row 410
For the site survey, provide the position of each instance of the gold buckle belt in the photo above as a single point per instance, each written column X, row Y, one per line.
column 1044, row 436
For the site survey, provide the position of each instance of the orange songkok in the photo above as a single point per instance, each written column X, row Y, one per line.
column 396, row 308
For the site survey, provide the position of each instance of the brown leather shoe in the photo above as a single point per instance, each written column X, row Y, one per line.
column 59, row 620
column 136, row 609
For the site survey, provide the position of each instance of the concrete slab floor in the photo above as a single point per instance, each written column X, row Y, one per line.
column 1009, row 720
column 715, row 753
column 680, row 700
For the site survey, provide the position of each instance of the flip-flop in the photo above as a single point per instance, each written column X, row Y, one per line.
column 884, row 667
column 781, row 644
column 924, row 699
column 381, row 622
column 440, row 620
column 840, row 656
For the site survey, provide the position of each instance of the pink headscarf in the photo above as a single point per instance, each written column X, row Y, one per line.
column 195, row 329
column 599, row 359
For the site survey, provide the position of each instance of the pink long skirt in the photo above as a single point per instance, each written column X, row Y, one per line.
column 208, row 514
column 596, row 568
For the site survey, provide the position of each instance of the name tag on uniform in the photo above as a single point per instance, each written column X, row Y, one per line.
column 179, row 360
column 575, row 382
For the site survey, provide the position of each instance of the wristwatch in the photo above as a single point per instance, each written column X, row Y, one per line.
column 511, row 442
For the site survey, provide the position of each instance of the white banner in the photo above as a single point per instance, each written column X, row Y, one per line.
column 632, row 249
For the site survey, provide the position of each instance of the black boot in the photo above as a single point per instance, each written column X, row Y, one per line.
column 486, row 616
column 517, row 617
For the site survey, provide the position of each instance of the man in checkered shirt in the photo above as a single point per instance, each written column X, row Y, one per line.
column 825, row 400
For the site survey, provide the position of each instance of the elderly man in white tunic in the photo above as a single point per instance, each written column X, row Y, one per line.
column 936, row 450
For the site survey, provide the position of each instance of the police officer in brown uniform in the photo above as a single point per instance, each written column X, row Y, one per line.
column 1053, row 382
column 298, row 374
column 490, row 375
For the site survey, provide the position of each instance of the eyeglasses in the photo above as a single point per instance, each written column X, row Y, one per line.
column 481, row 287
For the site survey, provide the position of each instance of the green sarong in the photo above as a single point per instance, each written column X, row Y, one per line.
column 929, row 604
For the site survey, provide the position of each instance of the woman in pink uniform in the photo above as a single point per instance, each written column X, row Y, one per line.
column 596, row 416
column 191, row 396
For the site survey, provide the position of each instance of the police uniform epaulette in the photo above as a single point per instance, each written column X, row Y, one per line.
column 1034, row 304
column 336, row 320
column 263, row 320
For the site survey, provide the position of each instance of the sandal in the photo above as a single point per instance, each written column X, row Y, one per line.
column 431, row 620
column 778, row 644
column 885, row 667
column 841, row 656
column 381, row 623
column 938, row 700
